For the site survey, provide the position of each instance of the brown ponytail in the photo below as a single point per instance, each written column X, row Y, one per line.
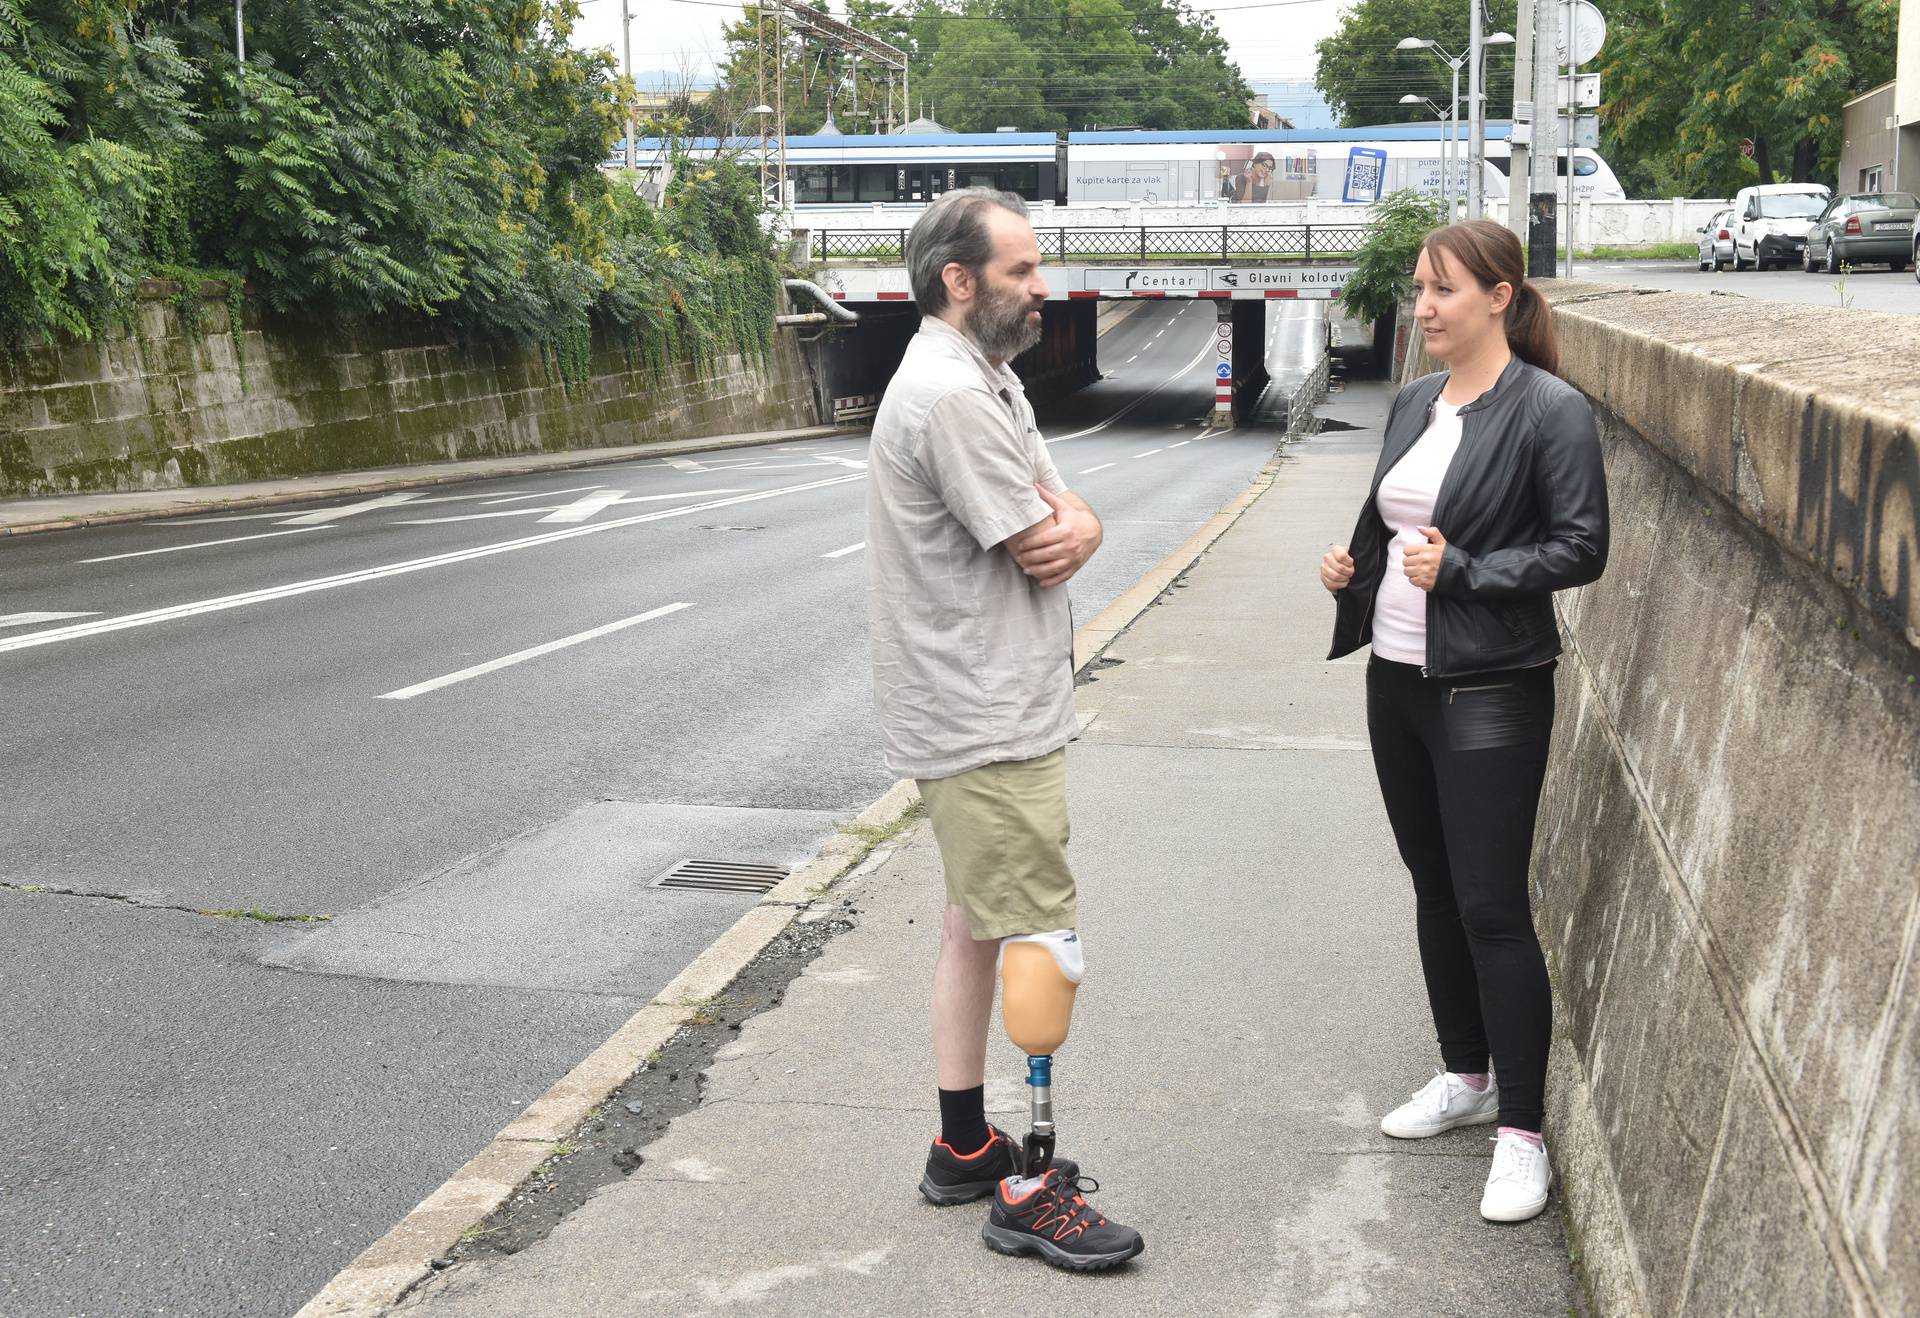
column 1492, row 255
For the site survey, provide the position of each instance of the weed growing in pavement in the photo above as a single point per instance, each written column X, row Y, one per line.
column 265, row 917
column 1840, row 287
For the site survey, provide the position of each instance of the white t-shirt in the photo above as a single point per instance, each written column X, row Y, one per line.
column 1405, row 502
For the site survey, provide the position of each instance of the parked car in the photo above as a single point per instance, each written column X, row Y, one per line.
column 1770, row 222
column 1716, row 241
column 1862, row 227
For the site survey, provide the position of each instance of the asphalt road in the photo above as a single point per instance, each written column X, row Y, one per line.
column 472, row 725
column 1873, row 288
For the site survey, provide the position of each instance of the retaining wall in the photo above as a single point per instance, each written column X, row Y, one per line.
column 164, row 407
column 1727, row 869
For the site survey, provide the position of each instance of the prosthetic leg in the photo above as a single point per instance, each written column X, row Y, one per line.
column 1039, row 975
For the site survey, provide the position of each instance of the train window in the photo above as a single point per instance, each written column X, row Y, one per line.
column 1581, row 166
column 1501, row 163
column 1023, row 179
column 977, row 176
column 811, row 183
column 873, row 183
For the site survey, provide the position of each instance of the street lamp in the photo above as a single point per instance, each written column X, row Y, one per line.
column 1450, row 183
column 1477, row 114
column 1446, row 158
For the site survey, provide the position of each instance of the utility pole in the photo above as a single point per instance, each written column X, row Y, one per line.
column 1520, row 157
column 1543, row 258
column 760, row 78
column 779, row 99
column 240, row 48
column 626, row 40
column 1573, row 110
column 1476, row 115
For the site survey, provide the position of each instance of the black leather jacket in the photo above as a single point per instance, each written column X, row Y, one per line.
column 1524, row 510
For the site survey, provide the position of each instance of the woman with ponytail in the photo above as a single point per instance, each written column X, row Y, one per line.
column 1488, row 497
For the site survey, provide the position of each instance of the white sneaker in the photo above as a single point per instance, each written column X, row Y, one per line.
column 1444, row 1102
column 1517, row 1185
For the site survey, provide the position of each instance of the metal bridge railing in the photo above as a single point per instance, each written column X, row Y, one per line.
column 1225, row 243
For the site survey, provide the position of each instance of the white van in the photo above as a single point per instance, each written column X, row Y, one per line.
column 1770, row 222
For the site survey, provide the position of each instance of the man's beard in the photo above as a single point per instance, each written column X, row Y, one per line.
column 998, row 324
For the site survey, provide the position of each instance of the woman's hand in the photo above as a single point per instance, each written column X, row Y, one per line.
column 1336, row 568
column 1422, row 562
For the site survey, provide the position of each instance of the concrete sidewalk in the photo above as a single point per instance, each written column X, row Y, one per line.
column 58, row 512
column 1253, row 1004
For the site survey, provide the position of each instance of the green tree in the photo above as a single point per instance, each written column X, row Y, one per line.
column 1687, row 80
column 984, row 77
column 1363, row 75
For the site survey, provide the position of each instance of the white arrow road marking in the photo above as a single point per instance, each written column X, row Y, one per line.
column 855, row 463
column 325, row 515
column 545, row 494
column 586, row 506
column 29, row 619
column 850, row 549
column 202, row 544
column 521, row 656
column 221, row 603
column 620, row 496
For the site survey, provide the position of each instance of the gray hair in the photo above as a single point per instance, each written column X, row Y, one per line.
column 953, row 230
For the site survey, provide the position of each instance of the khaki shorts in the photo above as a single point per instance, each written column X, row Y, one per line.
column 1002, row 830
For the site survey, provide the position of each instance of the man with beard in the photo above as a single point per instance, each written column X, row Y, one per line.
column 971, row 538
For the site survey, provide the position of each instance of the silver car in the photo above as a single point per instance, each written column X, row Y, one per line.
column 1716, row 241
column 1862, row 227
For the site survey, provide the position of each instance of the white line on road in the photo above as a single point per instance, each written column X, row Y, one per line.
column 1131, row 360
column 1205, row 348
column 221, row 603
column 620, row 496
column 585, row 506
column 29, row 619
column 1149, row 453
column 325, row 515
column 1102, row 467
column 521, row 656
column 850, row 549
column 544, row 494
column 202, row 544
column 1182, row 444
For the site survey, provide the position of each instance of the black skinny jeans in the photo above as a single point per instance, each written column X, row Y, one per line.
column 1460, row 763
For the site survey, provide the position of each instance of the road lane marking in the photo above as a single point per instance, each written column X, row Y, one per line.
column 585, row 506
column 325, row 515
column 1205, row 348
column 684, row 464
column 1182, row 444
column 1102, row 467
column 544, row 494
column 221, row 603
column 620, row 496
column 850, row 549
column 1131, row 360
column 533, row 652
column 1149, row 453
column 202, row 544
column 30, row 619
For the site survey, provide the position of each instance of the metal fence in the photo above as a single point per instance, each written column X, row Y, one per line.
column 1300, row 242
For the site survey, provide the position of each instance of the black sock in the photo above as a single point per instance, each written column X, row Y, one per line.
column 963, row 1119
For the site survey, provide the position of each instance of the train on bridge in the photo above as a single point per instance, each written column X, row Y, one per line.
column 1133, row 167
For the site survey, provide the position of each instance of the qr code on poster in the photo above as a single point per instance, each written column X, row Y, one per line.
column 1366, row 168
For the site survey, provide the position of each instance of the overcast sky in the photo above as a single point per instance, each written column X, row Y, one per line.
column 1269, row 42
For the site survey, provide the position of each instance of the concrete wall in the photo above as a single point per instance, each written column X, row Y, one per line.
column 163, row 407
column 1727, row 869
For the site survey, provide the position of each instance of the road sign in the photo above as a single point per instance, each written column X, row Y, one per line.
column 1589, row 34
column 1746, row 147
column 1580, row 91
column 1224, row 371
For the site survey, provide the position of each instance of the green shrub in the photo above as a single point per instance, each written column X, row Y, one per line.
column 1383, row 269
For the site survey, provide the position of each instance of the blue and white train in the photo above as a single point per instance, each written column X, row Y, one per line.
column 1132, row 166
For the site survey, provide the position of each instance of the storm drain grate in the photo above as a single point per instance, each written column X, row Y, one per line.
column 722, row 876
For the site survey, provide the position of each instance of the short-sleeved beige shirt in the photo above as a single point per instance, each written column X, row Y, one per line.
column 972, row 662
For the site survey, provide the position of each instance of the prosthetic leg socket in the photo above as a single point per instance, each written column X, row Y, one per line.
column 1039, row 976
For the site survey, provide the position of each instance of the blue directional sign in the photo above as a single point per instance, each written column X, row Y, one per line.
column 1224, row 371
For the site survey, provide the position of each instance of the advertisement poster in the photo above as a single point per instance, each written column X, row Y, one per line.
column 1259, row 173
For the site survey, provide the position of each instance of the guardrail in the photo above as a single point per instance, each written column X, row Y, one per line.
column 1302, row 242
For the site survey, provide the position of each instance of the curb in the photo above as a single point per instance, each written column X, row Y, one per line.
column 669, row 449
column 389, row 1269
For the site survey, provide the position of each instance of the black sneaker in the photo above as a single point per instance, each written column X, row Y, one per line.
column 1054, row 1220
column 952, row 1179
